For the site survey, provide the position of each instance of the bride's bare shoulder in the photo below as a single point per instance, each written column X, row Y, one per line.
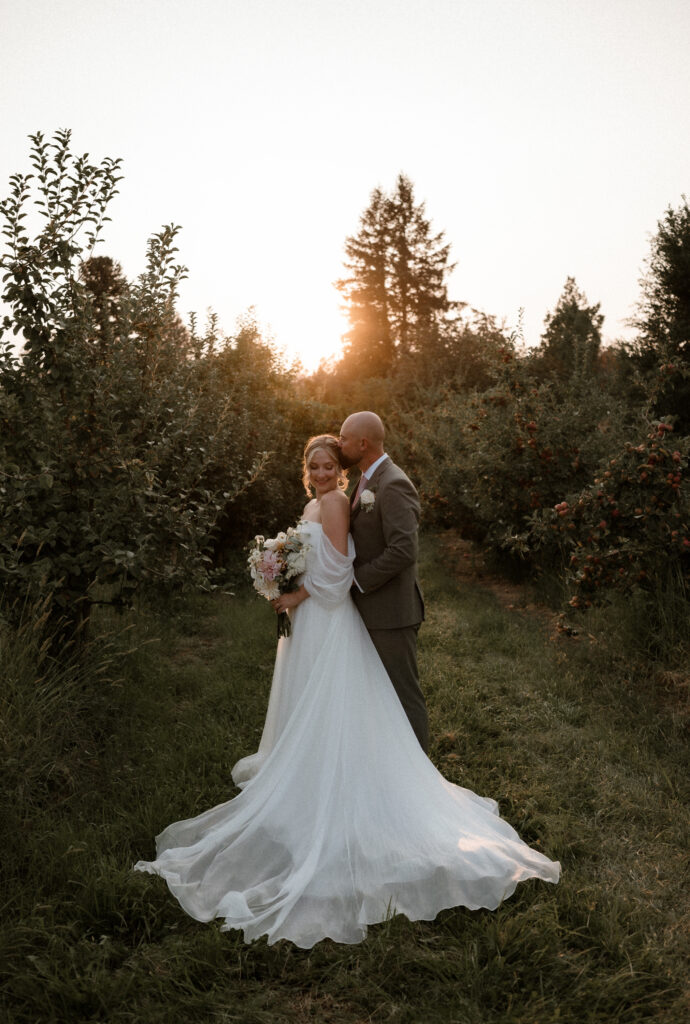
column 335, row 499
column 335, row 512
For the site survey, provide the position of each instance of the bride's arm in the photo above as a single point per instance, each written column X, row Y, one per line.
column 291, row 600
column 335, row 519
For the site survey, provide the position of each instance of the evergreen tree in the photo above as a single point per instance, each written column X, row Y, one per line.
column 395, row 288
column 662, row 347
column 664, row 310
column 105, row 282
column 571, row 339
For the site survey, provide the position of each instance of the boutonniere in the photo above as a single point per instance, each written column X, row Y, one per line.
column 367, row 500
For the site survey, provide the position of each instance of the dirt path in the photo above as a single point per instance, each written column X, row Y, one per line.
column 465, row 559
column 467, row 562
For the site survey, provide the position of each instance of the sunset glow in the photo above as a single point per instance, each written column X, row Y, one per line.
column 546, row 139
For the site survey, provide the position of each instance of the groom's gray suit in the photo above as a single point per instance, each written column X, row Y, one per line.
column 386, row 591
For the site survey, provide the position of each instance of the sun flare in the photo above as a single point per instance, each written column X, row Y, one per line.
column 308, row 332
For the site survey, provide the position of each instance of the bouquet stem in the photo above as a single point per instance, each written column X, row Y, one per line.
column 284, row 624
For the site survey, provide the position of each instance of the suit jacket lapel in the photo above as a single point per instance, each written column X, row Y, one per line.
column 371, row 483
column 379, row 473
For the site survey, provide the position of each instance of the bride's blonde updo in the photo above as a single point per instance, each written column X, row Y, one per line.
column 329, row 443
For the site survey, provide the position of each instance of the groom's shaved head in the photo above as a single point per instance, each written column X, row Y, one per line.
column 361, row 440
column 365, row 424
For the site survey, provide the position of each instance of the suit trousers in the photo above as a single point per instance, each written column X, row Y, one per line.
column 397, row 649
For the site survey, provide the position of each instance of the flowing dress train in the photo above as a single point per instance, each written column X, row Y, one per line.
column 342, row 819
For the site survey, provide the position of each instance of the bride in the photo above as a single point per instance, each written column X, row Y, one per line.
column 342, row 819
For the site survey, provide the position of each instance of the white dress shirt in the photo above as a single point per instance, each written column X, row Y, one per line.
column 372, row 468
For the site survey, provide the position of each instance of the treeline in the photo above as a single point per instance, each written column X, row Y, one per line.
column 570, row 458
column 136, row 451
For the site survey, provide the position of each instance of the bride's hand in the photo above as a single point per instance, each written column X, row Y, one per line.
column 291, row 600
column 287, row 601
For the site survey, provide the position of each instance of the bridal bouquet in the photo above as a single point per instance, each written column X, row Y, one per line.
column 274, row 565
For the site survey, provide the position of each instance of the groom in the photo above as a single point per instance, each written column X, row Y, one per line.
column 384, row 521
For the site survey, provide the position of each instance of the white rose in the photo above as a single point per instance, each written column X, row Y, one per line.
column 367, row 500
column 297, row 563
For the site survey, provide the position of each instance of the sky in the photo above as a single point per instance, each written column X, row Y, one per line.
column 545, row 137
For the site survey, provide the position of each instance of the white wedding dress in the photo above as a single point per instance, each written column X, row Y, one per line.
column 342, row 819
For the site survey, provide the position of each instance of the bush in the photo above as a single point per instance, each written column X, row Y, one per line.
column 490, row 459
column 125, row 439
column 274, row 414
column 630, row 529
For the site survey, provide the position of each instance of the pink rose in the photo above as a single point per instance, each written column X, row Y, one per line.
column 270, row 565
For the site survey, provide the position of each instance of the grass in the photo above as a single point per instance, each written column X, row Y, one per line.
column 582, row 746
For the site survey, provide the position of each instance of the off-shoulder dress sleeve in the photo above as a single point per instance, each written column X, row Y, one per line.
column 330, row 575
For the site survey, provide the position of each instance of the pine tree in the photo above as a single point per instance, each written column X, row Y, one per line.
column 104, row 280
column 571, row 339
column 661, row 350
column 395, row 288
column 664, row 310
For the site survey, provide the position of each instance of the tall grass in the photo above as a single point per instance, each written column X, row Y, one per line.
column 583, row 749
column 49, row 715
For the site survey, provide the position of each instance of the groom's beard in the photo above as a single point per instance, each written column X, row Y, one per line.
column 345, row 462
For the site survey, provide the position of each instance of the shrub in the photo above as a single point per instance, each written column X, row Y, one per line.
column 630, row 529
column 489, row 460
column 122, row 441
